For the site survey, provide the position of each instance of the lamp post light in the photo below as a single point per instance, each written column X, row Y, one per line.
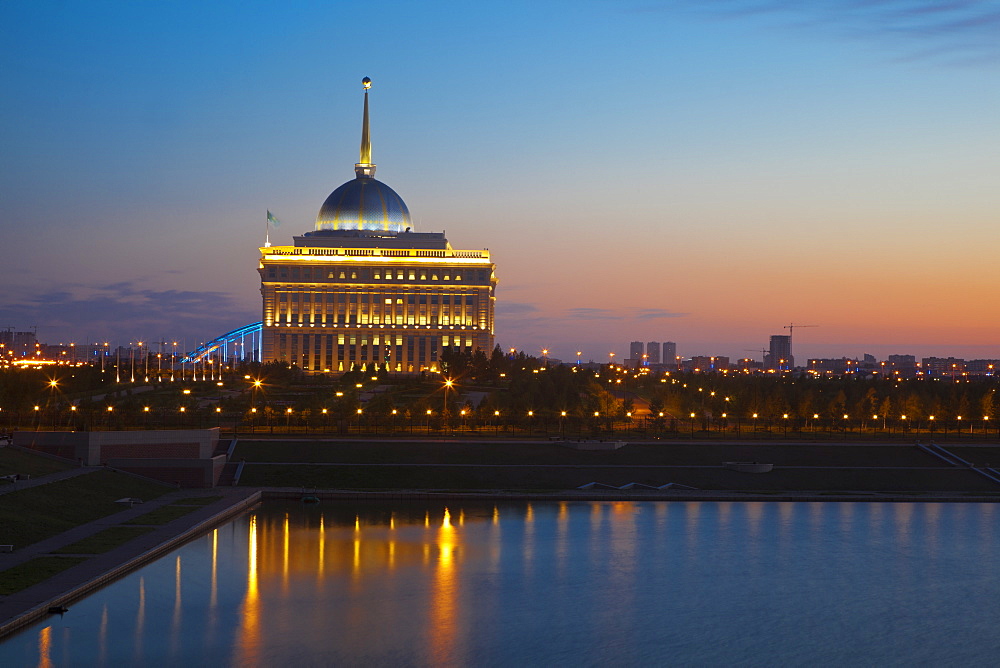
column 53, row 386
column 448, row 384
column 254, row 386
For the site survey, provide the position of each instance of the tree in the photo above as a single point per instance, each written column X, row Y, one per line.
column 987, row 404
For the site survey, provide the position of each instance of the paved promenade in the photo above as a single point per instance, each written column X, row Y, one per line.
column 28, row 605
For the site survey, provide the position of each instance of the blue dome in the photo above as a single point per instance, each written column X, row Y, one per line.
column 364, row 203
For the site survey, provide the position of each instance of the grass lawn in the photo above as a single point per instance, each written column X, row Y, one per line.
column 30, row 515
column 196, row 501
column 634, row 454
column 363, row 477
column 163, row 515
column 104, row 541
column 32, row 572
column 18, row 461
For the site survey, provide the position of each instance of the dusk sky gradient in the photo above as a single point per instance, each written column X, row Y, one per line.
column 697, row 171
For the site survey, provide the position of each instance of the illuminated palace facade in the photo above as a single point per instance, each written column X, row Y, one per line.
column 364, row 290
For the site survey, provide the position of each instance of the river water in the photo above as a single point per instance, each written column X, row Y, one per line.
column 553, row 584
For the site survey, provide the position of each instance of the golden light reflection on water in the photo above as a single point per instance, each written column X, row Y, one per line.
column 284, row 554
column 321, row 564
column 445, row 594
column 786, row 512
column 45, row 647
column 175, row 622
column 692, row 511
column 249, row 632
column 562, row 532
column 725, row 510
column 903, row 516
column 140, row 618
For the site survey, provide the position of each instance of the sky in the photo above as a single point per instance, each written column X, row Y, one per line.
column 699, row 171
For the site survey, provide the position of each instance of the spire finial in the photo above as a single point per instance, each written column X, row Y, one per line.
column 365, row 166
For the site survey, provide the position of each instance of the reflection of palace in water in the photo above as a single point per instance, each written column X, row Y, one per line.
column 373, row 536
column 361, row 544
column 343, row 583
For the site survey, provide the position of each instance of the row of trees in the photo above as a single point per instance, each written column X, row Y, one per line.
column 481, row 385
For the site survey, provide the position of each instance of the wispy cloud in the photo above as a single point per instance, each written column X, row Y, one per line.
column 128, row 311
column 654, row 313
column 515, row 308
column 584, row 313
column 958, row 32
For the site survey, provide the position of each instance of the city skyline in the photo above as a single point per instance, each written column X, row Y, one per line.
column 704, row 174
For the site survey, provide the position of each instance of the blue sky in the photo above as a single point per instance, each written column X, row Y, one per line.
column 703, row 172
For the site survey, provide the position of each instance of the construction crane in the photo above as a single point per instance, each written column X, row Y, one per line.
column 791, row 327
column 763, row 352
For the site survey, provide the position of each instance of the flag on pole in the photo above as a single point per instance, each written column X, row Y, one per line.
column 271, row 220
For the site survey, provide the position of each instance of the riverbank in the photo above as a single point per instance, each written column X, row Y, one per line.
column 25, row 607
column 349, row 470
column 32, row 603
column 384, row 465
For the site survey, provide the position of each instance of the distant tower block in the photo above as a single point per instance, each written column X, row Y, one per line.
column 636, row 350
column 670, row 353
column 653, row 352
column 779, row 356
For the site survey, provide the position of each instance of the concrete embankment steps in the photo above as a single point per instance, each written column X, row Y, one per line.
column 954, row 460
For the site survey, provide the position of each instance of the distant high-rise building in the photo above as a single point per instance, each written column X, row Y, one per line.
column 653, row 352
column 943, row 366
column 17, row 344
column 779, row 356
column 669, row 353
column 636, row 350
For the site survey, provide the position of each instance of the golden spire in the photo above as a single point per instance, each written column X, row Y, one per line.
column 365, row 166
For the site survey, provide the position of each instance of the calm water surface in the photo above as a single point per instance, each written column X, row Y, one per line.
column 553, row 584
